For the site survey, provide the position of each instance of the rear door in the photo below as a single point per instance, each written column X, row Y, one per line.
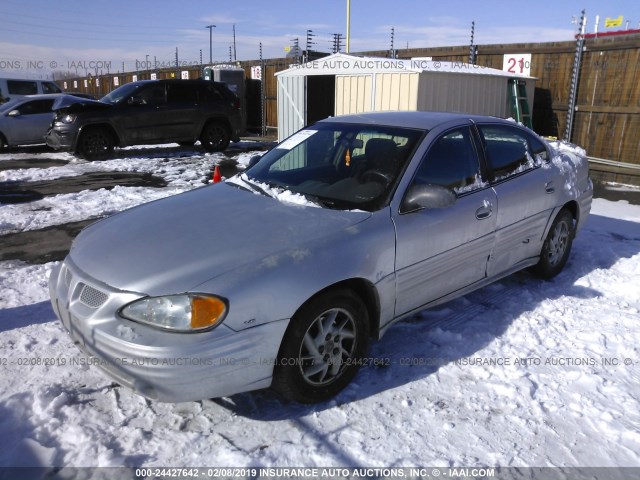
column 443, row 250
column 526, row 192
column 181, row 111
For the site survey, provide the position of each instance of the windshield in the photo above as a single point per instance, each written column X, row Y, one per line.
column 340, row 165
column 121, row 92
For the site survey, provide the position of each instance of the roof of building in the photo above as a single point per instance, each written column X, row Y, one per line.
column 344, row 64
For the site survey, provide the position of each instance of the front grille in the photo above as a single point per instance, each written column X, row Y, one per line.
column 92, row 297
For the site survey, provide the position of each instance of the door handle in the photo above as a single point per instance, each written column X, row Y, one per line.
column 484, row 211
column 549, row 188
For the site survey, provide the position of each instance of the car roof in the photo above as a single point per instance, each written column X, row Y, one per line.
column 422, row 120
column 41, row 96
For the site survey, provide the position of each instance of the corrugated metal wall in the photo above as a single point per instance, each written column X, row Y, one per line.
column 476, row 94
column 353, row 94
column 292, row 102
column 396, row 91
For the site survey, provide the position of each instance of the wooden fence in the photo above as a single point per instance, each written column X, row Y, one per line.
column 607, row 119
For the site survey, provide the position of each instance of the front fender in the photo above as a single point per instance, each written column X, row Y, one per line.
column 274, row 287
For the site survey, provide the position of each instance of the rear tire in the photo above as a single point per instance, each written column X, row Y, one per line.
column 323, row 347
column 96, row 144
column 557, row 246
column 215, row 137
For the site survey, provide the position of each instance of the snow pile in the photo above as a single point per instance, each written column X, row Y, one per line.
column 281, row 194
column 568, row 159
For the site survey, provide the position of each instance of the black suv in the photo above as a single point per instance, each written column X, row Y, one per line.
column 147, row 112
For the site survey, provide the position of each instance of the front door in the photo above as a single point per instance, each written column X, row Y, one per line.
column 443, row 250
column 30, row 125
column 145, row 115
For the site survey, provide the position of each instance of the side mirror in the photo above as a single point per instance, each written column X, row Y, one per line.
column 253, row 160
column 419, row 197
column 14, row 113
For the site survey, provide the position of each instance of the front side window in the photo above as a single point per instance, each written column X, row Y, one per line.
column 151, row 95
column 121, row 93
column 345, row 166
column 35, row 107
column 508, row 150
column 451, row 162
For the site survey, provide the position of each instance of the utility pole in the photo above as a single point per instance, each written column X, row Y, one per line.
column 337, row 42
column 296, row 49
column 235, row 58
column 210, row 27
column 575, row 75
column 472, row 53
column 347, row 45
column 393, row 51
column 263, row 111
column 310, row 42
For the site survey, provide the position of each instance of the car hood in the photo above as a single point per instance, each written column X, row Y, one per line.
column 177, row 243
column 69, row 103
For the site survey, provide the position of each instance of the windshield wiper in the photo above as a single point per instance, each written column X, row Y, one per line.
column 247, row 183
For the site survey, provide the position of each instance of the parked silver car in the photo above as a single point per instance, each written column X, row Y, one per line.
column 281, row 275
column 25, row 120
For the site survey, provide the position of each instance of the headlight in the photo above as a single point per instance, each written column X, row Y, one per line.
column 68, row 118
column 179, row 313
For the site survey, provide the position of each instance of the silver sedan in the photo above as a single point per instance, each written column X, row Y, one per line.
column 25, row 121
column 280, row 276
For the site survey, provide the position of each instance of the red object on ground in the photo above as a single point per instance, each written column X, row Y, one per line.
column 216, row 174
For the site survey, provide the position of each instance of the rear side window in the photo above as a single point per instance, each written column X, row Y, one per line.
column 508, row 150
column 181, row 93
column 22, row 87
column 451, row 162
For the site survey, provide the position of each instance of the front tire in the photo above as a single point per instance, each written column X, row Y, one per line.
column 557, row 246
column 96, row 144
column 215, row 137
column 323, row 347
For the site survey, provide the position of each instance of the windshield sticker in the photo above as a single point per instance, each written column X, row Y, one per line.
column 296, row 139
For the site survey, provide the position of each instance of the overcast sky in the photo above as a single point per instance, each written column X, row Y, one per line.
column 37, row 35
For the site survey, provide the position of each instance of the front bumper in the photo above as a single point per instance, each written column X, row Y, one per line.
column 61, row 138
column 163, row 366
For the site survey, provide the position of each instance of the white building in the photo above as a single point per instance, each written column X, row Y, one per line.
column 342, row 84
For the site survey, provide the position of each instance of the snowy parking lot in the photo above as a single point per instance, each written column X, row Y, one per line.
column 521, row 373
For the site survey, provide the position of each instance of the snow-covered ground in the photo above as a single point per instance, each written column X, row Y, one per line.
column 521, row 373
